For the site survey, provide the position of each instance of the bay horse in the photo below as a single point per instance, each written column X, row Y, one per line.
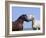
column 18, row 24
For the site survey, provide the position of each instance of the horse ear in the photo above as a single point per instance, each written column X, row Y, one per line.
column 24, row 15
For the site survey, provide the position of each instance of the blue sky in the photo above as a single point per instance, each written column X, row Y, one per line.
column 17, row 11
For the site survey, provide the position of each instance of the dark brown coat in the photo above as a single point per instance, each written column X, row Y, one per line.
column 18, row 24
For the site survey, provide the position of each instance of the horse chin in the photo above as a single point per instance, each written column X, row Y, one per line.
column 27, row 20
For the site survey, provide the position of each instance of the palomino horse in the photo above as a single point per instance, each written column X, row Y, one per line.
column 18, row 24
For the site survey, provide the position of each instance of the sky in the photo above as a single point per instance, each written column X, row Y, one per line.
column 18, row 11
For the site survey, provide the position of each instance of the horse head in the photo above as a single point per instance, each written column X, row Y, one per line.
column 26, row 18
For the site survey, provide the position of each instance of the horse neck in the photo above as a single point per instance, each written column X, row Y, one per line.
column 21, row 21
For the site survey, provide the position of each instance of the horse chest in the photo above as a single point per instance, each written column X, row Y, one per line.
column 18, row 26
